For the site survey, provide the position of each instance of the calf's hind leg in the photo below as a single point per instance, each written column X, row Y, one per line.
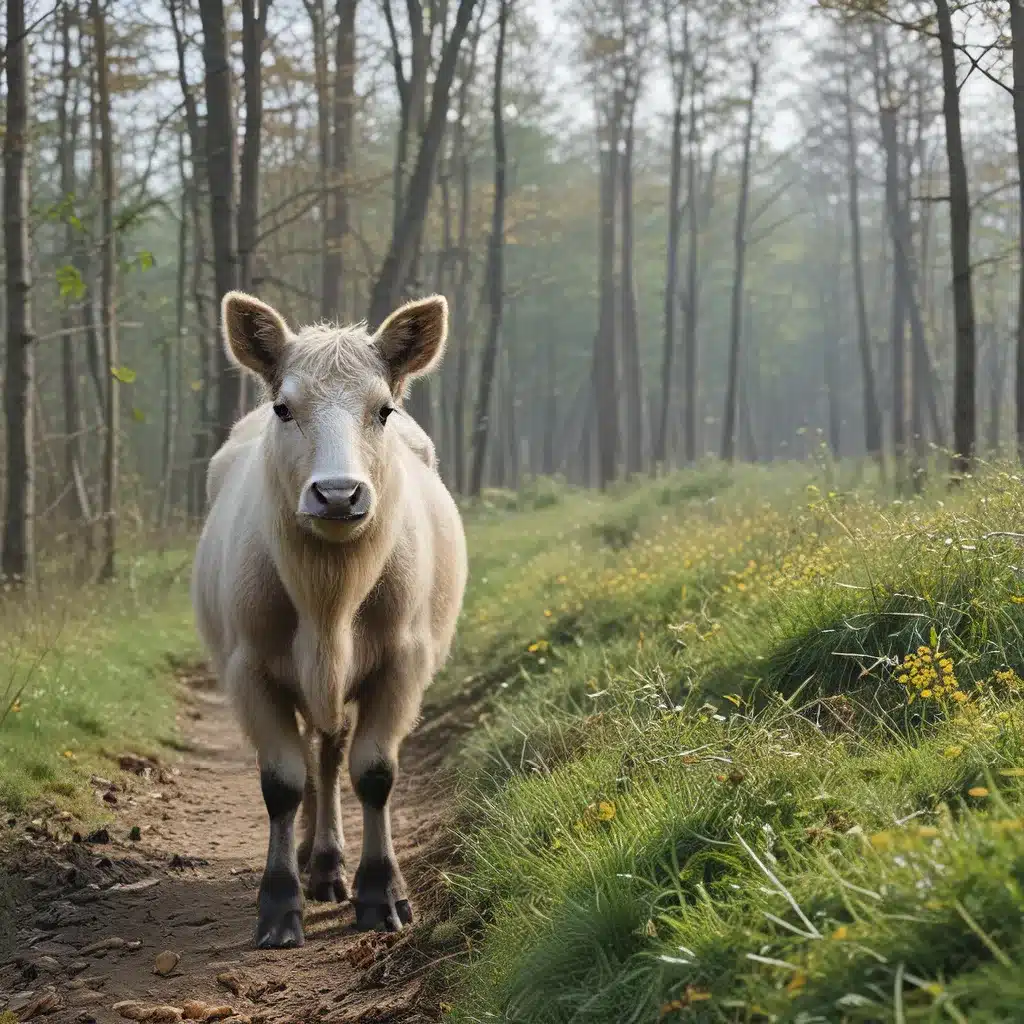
column 268, row 717
column 387, row 708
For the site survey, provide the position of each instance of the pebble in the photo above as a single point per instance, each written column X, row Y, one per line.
column 165, row 963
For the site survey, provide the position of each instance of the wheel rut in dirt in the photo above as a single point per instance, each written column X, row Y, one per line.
column 178, row 872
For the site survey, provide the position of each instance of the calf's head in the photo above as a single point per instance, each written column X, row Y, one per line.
column 333, row 390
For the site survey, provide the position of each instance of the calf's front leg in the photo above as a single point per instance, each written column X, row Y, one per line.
column 269, row 719
column 327, row 881
column 388, row 703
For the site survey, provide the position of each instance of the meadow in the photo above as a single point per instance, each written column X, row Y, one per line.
column 750, row 744
column 753, row 751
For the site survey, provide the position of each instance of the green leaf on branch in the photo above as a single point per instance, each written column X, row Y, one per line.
column 70, row 282
column 124, row 374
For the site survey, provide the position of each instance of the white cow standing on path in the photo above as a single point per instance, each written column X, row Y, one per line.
column 327, row 582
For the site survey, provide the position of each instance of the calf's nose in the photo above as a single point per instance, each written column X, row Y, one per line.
column 339, row 497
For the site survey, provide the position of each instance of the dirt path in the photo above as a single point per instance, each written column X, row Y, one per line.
column 188, row 886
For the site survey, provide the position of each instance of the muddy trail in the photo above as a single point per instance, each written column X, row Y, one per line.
column 177, row 872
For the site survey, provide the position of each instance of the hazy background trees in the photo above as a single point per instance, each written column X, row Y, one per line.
column 668, row 229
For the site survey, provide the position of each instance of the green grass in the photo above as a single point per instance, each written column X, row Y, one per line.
column 700, row 789
column 85, row 674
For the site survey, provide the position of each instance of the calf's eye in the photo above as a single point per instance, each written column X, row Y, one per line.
column 385, row 412
column 283, row 413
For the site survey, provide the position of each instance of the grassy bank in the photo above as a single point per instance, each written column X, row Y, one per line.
column 85, row 673
column 754, row 751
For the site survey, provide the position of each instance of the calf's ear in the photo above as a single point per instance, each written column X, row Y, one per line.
column 411, row 341
column 255, row 334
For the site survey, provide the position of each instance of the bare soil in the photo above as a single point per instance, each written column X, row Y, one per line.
column 178, row 870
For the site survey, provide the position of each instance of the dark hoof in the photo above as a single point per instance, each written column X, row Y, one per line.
column 379, row 898
column 327, row 878
column 284, row 932
column 280, row 912
column 391, row 916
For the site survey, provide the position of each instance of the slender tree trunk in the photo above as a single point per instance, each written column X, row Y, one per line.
column 172, row 348
column 220, row 167
column 671, row 275
column 831, row 324
column 495, row 266
column 898, row 350
column 699, row 203
column 403, row 247
column 740, row 249
column 605, row 367
column 77, row 503
column 108, row 319
column 317, row 14
column 1017, row 37
column 631, row 369
column 462, row 316
column 965, row 354
column 201, row 447
column 205, row 326
column 462, row 321
column 341, row 148
column 19, row 551
column 550, row 420
column 254, row 30
column 997, row 364
column 872, row 415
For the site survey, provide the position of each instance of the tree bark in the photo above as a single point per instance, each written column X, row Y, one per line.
column 1017, row 48
column 77, row 503
column 341, row 149
column 872, row 415
column 403, row 247
column 220, row 168
column 254, row 31
column 671, row 273
column 495, row 267
column 740, row 250
column 631, row 369
column 18, row 552
column 108, row 321
column 965, row 351
column 172, row 349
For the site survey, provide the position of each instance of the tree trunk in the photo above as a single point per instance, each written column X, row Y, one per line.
column 254, row 31
column 965, row 355
column 872, row 415
column 898, row 354
column 317, row 14
column 1017, row 36
column 462, row 317
column 220, row 168
column 341, row 148
column 740, row 249
column 77, row 503
column 19, row 551
column 605, row 358
column 108, row 319
column 495, row 267
column 172, row 348
column 904, row 270
column 631, row 370
column 201, row 448
column 403, row 247
column 671, row 275
column 831, row 324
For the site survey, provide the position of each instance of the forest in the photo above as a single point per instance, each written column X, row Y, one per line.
column 724, row 720
column 668, row 231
